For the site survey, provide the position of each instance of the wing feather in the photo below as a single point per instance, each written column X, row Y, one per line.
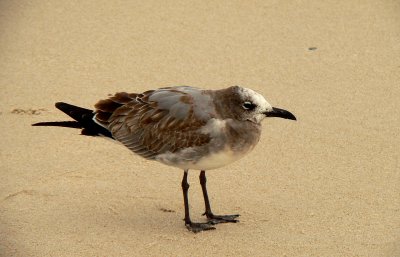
column 156, row 121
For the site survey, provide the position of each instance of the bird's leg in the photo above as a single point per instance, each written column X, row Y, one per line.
column 213, row 219
column 194, row 227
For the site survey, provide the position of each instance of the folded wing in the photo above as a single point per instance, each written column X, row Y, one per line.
column 156, row 121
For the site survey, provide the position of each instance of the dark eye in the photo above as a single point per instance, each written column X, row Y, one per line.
column 248, row 106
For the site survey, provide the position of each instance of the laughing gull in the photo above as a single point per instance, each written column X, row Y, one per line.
column 184, row 127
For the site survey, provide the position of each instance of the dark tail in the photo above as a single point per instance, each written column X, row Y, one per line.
column 83, row 120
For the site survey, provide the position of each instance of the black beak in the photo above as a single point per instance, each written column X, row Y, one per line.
column 276, row 112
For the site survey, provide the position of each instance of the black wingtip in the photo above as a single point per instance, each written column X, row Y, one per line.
column 62, row 105
column 67, row 124
column 83, row 120
column 68, row 108
column 59, row 105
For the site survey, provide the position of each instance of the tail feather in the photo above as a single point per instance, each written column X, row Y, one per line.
column 83, row 120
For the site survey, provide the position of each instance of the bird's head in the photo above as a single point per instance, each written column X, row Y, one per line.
column 246, row 104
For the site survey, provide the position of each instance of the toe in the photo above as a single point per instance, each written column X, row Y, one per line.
column 198, row 227
column 216, row 219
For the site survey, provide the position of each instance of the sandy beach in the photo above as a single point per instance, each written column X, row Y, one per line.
column 326, row 185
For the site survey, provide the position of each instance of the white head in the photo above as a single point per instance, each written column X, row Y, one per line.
column 245, row 104
column 254, row 105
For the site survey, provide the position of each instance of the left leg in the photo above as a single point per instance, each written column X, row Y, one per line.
column 191, row 226
column 213, row 219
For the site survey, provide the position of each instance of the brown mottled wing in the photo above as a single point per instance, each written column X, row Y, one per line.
column 156, row 121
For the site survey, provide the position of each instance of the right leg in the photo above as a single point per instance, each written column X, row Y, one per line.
column 194, row 227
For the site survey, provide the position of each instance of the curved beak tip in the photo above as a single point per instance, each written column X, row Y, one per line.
column 280, row 113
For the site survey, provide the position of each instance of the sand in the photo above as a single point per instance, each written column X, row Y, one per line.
column 326, row 185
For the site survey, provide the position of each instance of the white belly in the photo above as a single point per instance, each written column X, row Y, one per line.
column 208, row 162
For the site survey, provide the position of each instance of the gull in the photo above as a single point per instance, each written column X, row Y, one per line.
column 183, row 127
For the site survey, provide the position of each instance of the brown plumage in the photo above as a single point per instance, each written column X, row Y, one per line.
column 183, row 127
column 145, row 128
